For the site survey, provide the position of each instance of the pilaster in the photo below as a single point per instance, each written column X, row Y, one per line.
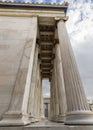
column 17, row 113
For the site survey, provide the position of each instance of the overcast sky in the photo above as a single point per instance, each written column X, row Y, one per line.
column 80, row 29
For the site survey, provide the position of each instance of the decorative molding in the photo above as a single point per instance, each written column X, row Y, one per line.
column 65, row 18
column 30, row 13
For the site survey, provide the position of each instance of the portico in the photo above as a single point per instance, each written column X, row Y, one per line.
column 38, row 47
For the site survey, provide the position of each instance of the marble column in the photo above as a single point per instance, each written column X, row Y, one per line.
column 17, row 113
column 54, row 95
column 55, row 87
column 52, row 103
column 36, row 93
column 60, row 85
column 78, row 111
column 42, row 117
column 39, row 92
column 32, row 89
column 38, row 96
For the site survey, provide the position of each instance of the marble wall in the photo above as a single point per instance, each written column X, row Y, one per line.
column 14, row 39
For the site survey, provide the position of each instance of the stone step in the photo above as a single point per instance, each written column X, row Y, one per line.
column 46, row 125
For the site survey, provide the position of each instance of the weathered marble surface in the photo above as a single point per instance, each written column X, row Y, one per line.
column 60, row 85
column 17, row 50
column 48, row 126
column 13, row 36
column 18, row 35
column 78, row 111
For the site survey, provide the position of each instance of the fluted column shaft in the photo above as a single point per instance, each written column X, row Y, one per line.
column 56, row 98
column 38, row 96
column 42, row 117
column 32, row 89
column 53, row 95
column 60, row 85
column 54, row 89
column 39, row 93
column 78, row 111
column 52, row 103
column 37, row 90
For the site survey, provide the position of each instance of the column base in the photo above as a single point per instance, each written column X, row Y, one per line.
column 79, row 118
column 15, row 119
column 60, row 119
column 53, row 119
column 42, row 118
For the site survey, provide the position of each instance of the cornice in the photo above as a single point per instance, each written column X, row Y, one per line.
column 30, row 13
column 35, row 6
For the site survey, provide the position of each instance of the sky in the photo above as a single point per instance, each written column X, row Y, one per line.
column 80, row 30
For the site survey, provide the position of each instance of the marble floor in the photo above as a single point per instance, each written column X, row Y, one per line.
column 57, row 126
column 47, row 125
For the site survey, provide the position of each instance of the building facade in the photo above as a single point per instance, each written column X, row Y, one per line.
column 34, row 45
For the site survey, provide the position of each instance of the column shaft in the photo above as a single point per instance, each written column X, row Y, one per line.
column 60, row 86
column 32, row 88
column 42, row 117
column 54, row 95
column 52, row 104
column 36, row 107
column 56, row 98
column 39, row 96
column 78, row 111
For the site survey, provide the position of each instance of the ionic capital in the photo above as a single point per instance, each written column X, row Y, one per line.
column 65, row 18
